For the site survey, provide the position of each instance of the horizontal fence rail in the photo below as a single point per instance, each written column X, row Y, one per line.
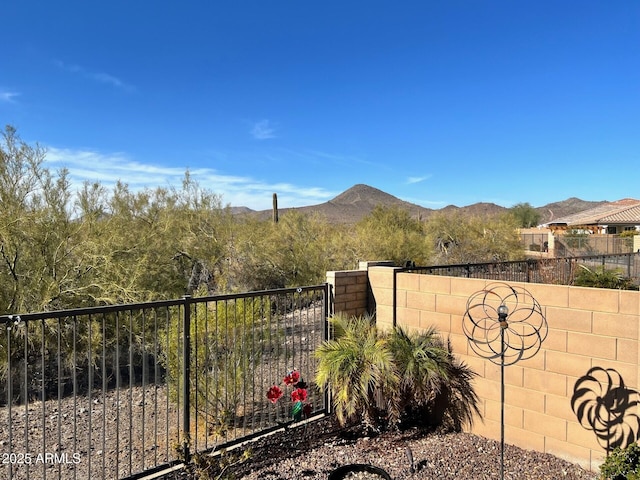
column 124, row 391
column 558, row 271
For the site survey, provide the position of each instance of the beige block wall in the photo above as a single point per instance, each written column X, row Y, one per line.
column 588, row 328
column 349, row 292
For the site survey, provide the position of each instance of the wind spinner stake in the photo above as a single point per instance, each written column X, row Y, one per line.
column 504, row 324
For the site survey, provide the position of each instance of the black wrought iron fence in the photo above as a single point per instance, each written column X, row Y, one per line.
column 124, row 391
column 559, row 271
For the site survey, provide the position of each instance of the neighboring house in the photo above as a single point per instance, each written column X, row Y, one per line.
column 612, row 218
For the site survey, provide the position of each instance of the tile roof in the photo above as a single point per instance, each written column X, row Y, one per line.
column 626, row 211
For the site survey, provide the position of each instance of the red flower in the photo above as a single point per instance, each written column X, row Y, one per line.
column 306, row 410
column 274, row 394
column 292, row 378
column 299, row 395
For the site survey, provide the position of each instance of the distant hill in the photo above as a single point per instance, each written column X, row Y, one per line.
column 566, row 207
column 359, row 201
column 352, row 205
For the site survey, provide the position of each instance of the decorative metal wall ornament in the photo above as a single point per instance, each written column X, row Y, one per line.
column 504, row 324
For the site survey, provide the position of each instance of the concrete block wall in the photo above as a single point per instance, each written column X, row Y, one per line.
column 349, row 292
column 591, row 331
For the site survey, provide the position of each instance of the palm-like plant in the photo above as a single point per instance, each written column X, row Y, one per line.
column 422, row 364
column 356, row 363
column 601, row 277
column 402, row 375
column 455, row 403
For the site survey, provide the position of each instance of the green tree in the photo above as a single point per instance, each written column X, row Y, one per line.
column 298, row 250
column 152, row 244
column 40, row 239
column 526, row 216
column 391, row 233
column 463, row 239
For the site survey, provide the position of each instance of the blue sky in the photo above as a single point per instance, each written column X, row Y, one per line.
column 438, row 103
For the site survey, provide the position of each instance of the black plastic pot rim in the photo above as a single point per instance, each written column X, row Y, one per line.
column 340, row 472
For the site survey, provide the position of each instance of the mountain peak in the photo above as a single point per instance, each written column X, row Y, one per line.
column 364, row 194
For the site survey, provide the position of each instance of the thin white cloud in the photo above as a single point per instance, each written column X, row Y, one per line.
column 107, row 169
column 8, row 97
column 99, row 77
column 413, row 180
column 263, row 130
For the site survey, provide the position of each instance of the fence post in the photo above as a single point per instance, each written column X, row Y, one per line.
column 328, row 310
column 186, row 377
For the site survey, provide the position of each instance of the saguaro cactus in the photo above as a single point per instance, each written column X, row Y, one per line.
column 275, row 208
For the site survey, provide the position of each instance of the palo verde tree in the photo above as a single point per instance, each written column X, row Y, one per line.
column 298, row 250
column 463, row 239
column 41, row 241
column 391, row 233
column 152, row 244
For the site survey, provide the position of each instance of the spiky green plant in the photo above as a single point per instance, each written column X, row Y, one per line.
column 356, row 363
column 389, row 378
column 601, row 277
column 422, row 364
column 456, row 402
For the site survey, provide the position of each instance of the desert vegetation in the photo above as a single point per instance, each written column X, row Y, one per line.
column 394, row 379
column 62, row 247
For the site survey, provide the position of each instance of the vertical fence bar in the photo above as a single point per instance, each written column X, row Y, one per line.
column 89, row 392
column 10, row 395
column 104, row 390
column 26, row 392
column 166, row 417
column 186, row 376
column 155, row 387
column 75, row 392
column 130, row 393
column 118, row 386
column 144, row 387
column 60, row 392
column 196, row 405
column 325, row 333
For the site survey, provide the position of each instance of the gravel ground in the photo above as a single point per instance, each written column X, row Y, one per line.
column 310, row 452
column 118, row 432
column 316, row 452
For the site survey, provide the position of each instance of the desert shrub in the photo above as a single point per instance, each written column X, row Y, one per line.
column 391, row 233
column 622, row 463
column 393, row 379
column 298, row 250
column 459, row 238
column 601, row 277
column 225, row 350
